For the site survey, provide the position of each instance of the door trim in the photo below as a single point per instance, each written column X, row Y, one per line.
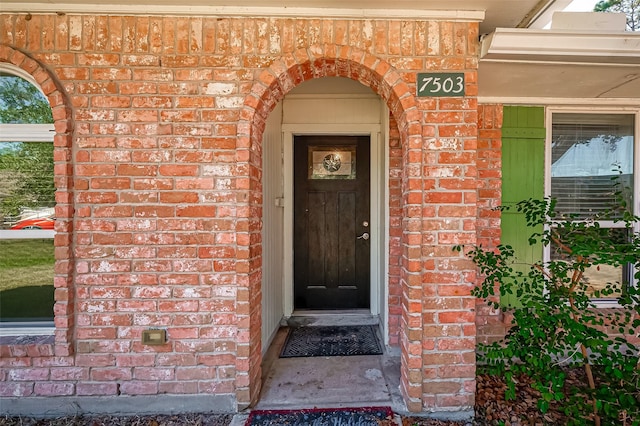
column 376, row 192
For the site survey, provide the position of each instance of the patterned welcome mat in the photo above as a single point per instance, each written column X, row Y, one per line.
column 366, row 416
column 331, row 341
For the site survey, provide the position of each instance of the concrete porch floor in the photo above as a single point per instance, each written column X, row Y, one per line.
column 324, row 382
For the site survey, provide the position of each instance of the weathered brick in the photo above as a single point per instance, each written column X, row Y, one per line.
column 96, row 389
column 70, row 373
column 54, row 389
column 28, row 374
column 181, row 387
column 165, row 167
column 16, row 389
column 110, row 374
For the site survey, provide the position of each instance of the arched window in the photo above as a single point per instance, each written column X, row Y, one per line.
column 27, row 201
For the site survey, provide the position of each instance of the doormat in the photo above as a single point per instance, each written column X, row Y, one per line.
column 366, row 416
column 344, row 340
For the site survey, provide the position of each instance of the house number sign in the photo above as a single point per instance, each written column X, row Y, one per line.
column 440, row 84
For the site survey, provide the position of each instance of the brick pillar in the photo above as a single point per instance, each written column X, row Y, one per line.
column 490, row 322
column 449, row 217
column 395, row 232
column 412, row 270
column 249, row 263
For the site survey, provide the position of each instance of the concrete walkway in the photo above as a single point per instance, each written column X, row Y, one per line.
column 327, row 382
column 323, row 382
column 333, row 382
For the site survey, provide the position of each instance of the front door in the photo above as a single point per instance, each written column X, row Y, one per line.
column 331, row 222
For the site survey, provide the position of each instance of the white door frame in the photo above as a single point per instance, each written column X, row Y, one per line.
column 377, row 191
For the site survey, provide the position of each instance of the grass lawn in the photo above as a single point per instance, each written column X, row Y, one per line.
column 26, row 280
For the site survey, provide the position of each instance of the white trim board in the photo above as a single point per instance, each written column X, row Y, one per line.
column 94, row 8
column 26, row 132
column 630, row 104
column 27, row 328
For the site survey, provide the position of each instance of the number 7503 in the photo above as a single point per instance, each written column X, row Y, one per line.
column 449, row 85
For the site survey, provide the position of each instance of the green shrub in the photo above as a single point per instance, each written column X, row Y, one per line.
column 556, row 324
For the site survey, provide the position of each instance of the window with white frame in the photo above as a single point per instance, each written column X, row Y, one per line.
column 593, row 166
column 27, row 201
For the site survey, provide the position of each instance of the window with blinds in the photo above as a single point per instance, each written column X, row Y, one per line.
column 592, row 157
column 592, row 171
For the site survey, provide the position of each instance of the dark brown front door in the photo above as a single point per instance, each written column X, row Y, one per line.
column 331, row 222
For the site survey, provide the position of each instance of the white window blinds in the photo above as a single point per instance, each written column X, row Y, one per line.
column 592, row 159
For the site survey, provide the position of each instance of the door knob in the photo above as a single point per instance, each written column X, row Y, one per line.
column 364, row 236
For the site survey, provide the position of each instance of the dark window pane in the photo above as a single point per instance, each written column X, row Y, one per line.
column 26, row 286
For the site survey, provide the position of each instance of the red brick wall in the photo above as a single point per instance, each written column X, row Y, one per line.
column 490, row 322
column 158, row 159
column 395, row 232
column 448, row 218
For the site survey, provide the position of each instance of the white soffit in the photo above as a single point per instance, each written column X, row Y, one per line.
column 559, row 64
column 491, row 13
column 561, row 46
column 548, row 80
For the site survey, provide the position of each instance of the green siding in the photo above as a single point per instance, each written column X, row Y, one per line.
column 523, row 141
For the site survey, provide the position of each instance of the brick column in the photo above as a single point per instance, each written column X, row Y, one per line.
column 413, row 188
column 449, row 215
column 490, row 322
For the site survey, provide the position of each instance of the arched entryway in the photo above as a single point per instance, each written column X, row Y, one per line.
column 269, row 89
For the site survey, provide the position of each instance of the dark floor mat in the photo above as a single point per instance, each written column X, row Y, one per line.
column 331, row 341
column 366, row 416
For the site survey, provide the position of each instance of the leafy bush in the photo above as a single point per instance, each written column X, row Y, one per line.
column 556, row 325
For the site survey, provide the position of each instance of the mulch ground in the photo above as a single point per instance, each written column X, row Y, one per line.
column 491, row 409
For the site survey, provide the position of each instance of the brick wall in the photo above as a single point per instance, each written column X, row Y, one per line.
column 490, row 322
column 158, row 155
column 447, row 331
column 395, row 232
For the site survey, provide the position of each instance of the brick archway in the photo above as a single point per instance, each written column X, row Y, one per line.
column 268, row 89
column 63, row 177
